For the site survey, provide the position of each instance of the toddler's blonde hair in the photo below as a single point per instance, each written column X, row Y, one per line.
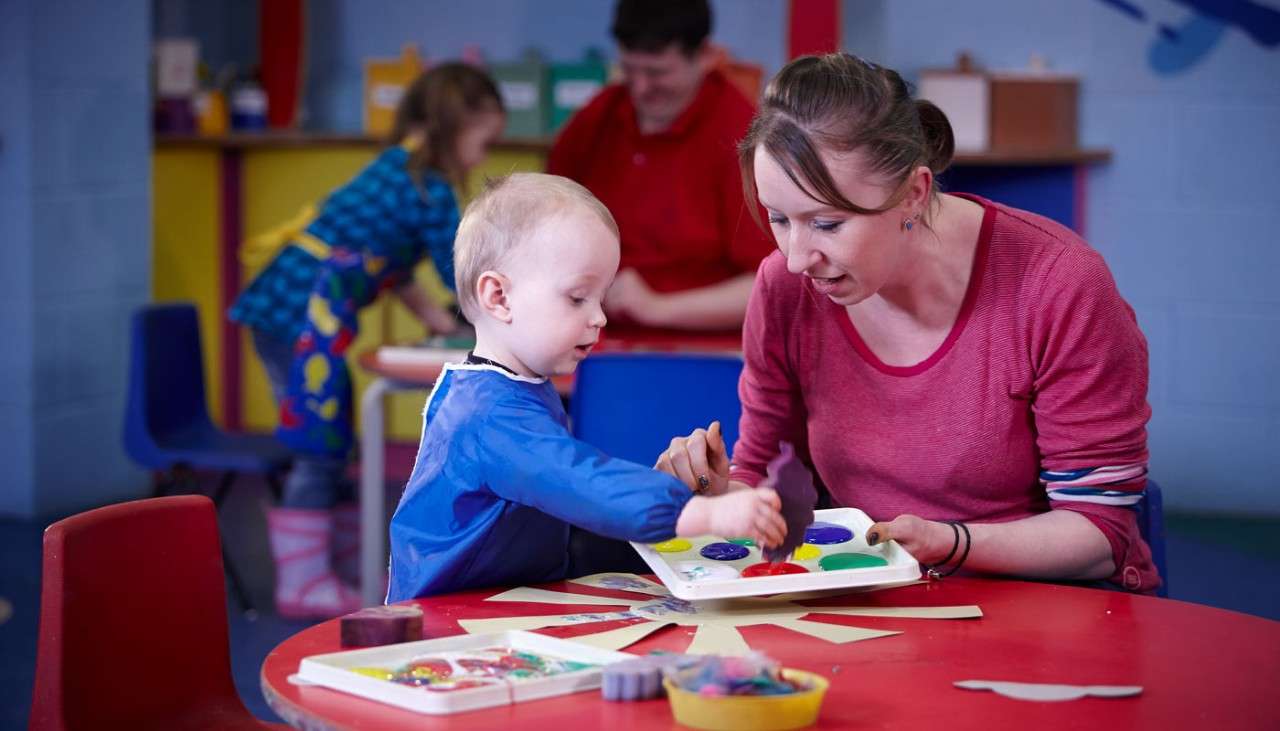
column 503, row 216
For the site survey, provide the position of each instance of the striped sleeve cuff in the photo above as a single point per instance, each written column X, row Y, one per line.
column 1110, row 485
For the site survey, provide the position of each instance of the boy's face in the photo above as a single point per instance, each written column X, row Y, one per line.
column 558, row 281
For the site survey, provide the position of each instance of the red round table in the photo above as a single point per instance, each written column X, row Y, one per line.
column 1200, row 667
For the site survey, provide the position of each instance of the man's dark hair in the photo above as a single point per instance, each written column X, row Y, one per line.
column 653, row 25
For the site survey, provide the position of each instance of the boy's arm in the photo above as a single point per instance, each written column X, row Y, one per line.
column 532, row 460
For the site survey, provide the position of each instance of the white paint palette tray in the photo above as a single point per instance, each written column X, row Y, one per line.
column 835, row 555
column 462, row 673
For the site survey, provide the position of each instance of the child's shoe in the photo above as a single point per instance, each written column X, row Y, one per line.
column 306, row 586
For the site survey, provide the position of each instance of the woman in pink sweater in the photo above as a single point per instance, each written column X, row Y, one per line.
column 964, row 372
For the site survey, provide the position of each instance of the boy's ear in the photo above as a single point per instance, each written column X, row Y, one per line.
column 491, row 292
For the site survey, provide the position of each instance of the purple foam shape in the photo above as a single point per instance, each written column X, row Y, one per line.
column 641, row 678
column 794, row 484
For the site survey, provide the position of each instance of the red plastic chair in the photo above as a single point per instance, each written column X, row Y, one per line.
column 133, row 622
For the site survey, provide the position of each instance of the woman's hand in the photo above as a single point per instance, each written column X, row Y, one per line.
column 928, row 540
column 699, row 460
column 753, row 514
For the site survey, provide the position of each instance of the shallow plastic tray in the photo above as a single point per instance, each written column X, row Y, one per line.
column 669, row 567
column 333, row 670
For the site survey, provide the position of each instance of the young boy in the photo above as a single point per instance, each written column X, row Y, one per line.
column 499, row 478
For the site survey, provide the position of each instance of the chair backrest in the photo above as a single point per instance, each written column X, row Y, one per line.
column 630, row 405
column 133, row 616
column 166, row 380
column 1151, row 526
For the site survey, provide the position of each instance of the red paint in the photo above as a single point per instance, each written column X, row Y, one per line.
column 773, row 569
column 813, row 28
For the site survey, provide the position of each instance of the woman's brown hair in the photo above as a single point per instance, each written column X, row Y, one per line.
column 435, row 107
column 842, row 103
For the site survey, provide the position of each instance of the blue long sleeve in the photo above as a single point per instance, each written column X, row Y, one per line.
column 533, row 460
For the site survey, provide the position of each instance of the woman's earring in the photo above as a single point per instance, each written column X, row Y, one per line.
column 908, row 222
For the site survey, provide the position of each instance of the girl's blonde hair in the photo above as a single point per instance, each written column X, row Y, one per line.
column 435, row 108
column 505, row 215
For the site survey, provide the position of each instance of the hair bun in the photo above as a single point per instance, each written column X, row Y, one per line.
column 939, row 140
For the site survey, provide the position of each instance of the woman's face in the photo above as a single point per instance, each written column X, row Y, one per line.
column 479, row 131
column 847, row 256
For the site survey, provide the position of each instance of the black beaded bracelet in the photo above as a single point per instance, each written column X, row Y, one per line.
column 968, row 543
column 932, row 571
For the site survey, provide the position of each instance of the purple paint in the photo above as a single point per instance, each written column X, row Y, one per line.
column 724, row 551
column 824, row 534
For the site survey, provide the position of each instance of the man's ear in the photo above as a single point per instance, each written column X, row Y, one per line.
column 491, row 292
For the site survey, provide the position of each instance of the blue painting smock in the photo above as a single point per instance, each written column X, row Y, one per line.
column 498, row 480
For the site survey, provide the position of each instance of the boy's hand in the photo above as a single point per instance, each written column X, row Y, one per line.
column 750, row 514
column 702, row 454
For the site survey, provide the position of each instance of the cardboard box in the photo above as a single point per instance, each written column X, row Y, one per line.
column 385, row 81
column 523, row 85
column 572, row 85
column 1007, row 111
column 1034, row 112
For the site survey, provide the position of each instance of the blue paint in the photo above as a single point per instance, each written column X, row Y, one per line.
column 825, row 534
column 724, row 551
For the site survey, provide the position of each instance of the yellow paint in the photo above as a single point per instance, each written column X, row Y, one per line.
column 675, row 545
column 806, row 552
column 185, row 245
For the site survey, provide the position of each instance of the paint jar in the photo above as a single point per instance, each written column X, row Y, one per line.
column 750, row 712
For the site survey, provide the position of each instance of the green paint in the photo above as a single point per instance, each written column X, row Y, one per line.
column 837, row 561
column 742, row 541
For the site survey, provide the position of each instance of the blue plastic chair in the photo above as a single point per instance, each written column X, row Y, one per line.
column 1151, row 526
column 167, row 427
column 630, row 405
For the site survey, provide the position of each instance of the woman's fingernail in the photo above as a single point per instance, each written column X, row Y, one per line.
column 873, row 538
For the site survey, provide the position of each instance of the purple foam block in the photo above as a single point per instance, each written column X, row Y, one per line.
column 375, row 626
column 641, row 678
column 794, row 484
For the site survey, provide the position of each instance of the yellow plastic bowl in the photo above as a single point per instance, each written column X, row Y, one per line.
column 750, row 712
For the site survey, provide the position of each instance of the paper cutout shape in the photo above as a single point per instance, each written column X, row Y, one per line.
column 1049, row 692
column 716, row 620
column 623, row 582
column 788, row 477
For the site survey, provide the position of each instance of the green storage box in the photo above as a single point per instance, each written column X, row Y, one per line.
column 523, row 85
column 572, row 85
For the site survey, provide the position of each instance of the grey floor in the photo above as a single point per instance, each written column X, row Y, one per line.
column 1222, row 561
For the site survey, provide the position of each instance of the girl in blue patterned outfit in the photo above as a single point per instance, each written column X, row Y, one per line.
column 367, row 237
